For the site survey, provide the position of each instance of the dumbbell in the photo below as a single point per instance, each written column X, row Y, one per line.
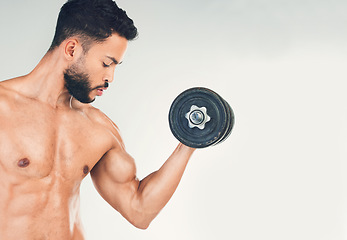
column 199, row 118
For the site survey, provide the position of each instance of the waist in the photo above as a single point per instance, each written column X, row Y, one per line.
column 26, row 229
column 45, row 215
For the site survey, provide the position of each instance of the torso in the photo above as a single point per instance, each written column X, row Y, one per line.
column 45, row 153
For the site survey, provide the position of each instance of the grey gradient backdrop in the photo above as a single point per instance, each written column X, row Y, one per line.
column 282, row 67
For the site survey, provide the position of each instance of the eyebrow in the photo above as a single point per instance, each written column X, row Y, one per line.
column 114, row 60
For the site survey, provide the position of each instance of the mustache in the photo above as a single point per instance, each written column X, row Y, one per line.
column 106, row 85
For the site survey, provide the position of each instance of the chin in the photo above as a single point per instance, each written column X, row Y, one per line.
column 85, row 101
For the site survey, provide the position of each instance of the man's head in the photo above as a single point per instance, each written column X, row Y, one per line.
column 102, row 30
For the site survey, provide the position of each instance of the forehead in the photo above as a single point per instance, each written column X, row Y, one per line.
column 114, row 46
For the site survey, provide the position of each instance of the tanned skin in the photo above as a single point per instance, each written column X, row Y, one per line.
column 49, row 142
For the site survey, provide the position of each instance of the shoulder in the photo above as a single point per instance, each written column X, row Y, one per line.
column 9, row 88
column 98, row 117
column 7, row 96
column 4, row 90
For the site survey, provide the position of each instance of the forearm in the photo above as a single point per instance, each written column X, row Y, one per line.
column 157, row 189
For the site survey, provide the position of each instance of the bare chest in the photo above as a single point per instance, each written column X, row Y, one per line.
column 36, row 143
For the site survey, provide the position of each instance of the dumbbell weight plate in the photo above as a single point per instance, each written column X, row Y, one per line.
column 187, row 110
column 231, row 121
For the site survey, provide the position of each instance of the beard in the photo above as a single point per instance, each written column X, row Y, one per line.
column 78, row 84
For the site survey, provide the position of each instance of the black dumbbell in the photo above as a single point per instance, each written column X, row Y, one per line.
column 199, row 118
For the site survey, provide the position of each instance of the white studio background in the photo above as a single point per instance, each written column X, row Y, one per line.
column 281, row 65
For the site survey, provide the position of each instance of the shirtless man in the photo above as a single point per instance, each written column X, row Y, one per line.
column 51, row 137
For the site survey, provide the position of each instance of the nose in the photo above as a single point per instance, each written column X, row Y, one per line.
column 110, row 75
column 108, row 80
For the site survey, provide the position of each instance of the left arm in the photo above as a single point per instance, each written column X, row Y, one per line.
column 138, row 201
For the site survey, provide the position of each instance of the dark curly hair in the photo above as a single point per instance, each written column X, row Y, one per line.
column 92, row 21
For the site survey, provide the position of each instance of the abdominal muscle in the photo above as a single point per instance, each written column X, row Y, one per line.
column 41, row 209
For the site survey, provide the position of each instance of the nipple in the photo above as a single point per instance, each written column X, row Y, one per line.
column 85, row 169
column 23, row 163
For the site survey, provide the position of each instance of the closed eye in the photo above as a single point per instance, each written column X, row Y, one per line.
column 105, row 65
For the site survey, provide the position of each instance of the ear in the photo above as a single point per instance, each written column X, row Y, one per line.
column 71, row 49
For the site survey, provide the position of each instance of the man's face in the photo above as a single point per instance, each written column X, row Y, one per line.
column 91, row 74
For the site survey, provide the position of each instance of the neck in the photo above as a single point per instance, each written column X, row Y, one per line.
column 46, row 81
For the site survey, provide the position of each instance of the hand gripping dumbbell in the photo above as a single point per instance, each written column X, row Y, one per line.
column 199, row 118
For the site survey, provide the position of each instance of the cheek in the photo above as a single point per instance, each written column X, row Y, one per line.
column 96, row 75
column 93, row 71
